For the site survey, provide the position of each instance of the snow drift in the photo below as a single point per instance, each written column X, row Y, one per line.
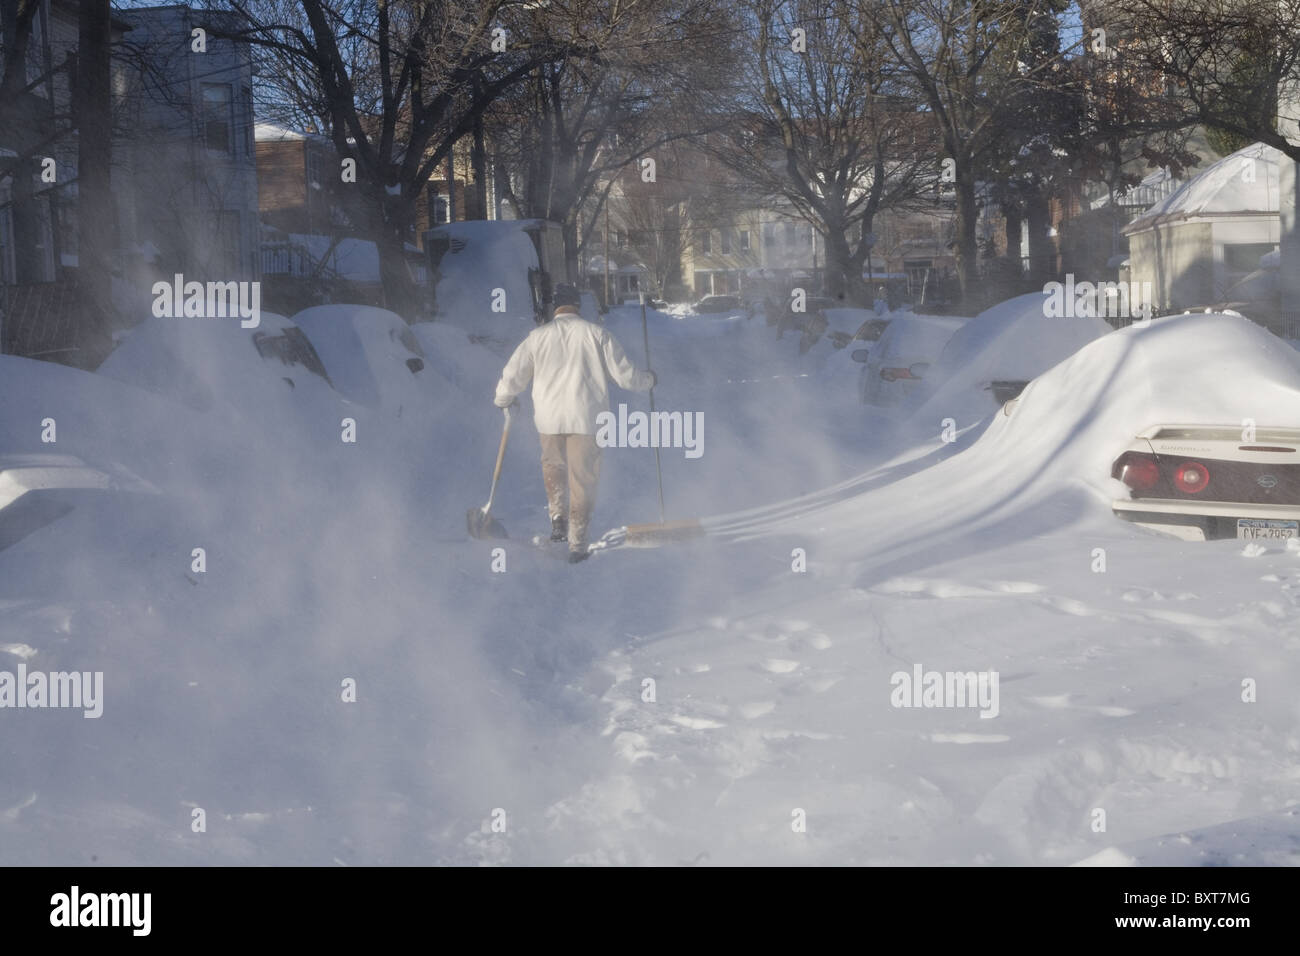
column 1048, row 462
column 1012, row 341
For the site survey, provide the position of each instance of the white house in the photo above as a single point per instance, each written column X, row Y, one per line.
column 1209, row 233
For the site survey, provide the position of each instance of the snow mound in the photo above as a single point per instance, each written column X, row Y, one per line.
column 484, row 257
column 1049, row 460
column 204, row 363
column 468, row 364
column 1207, row 368
column 1013, row 341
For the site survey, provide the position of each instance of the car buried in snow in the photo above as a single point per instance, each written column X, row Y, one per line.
column 1205, row 482
column 718, row 305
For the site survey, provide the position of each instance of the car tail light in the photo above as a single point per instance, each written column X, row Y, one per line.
column 1140, row 472
column 894, row 374
column 1191, row 477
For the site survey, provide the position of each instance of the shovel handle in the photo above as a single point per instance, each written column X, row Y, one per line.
column 501, row 457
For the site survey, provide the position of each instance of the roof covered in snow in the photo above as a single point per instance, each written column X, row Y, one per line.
column 271, row 133
column 1242, row 183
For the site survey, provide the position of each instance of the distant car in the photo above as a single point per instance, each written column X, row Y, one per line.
column 715, row 304
column 1200, row 482
column 895, row 366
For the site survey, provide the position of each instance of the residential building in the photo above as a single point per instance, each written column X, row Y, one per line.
column 190, row 197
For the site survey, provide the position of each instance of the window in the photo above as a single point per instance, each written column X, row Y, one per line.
column 744, row 240
column 1245, row 257
column 620, row 238
column 726, row 241
column 440, row 209
column 217, row 119
column 789, row 234
column 312, row 164
column 705, row 242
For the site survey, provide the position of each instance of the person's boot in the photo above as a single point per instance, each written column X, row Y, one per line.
column 576, row 556
column 559, row 528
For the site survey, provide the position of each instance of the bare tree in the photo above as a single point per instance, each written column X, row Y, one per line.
column 973, row 64
column 824, row 126
column 637, row 77
column 1226, row 64
column 396, row 83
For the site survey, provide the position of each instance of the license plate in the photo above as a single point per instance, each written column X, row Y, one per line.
column 1252, row 528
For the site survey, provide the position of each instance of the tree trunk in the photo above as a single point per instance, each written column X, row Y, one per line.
column 570, row 231
column 967, row 246
column 844, row 270
column 1012, row 215
column 390, row 234
column 96, row 220
column 478, row 160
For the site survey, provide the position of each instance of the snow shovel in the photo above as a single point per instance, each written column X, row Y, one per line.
column 479, row 520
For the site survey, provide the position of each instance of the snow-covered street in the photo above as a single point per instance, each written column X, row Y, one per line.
column 846, row 545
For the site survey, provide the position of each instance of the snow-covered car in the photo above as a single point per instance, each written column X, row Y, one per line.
column 37, row 489
column 371, row 355
column 896, row 364
column 991, row 358
column 717, row 304
column 203, row 363
column 1201, row 482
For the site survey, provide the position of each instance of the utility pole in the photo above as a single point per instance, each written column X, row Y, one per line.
column 608, row 302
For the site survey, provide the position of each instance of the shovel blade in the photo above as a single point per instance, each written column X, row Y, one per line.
column 483, row 525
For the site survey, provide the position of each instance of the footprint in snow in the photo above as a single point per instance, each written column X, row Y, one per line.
column 775, row 665
column 816, row 640
column 696, row 723
column 1017, row 587
column 1133, row 595
column 1062, row 702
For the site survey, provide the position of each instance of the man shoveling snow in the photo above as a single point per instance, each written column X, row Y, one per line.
column 570, row 362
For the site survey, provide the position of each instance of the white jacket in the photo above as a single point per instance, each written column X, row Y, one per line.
column 569, row 361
